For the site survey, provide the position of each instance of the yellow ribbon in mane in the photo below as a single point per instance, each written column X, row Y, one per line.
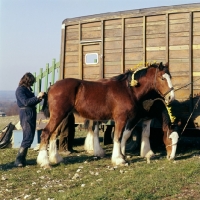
column 139, row 67
column 169, row 109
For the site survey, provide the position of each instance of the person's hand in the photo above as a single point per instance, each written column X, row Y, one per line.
column 40, row 95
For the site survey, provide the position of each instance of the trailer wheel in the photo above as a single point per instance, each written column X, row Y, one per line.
column 134, row 140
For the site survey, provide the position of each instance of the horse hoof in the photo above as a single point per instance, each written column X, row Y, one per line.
column 90, row 152
column 119, row 161
column 46, row 167
column 171, row 158
column 148, row 160
column 101, row 154
column 65, row 153
column 55, row 161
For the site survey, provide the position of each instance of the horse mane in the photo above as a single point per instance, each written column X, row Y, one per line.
column 139, row 72
column 122, row 77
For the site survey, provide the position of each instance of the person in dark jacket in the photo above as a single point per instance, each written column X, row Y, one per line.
column 26, row 101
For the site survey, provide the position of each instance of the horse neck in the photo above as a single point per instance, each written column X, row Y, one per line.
column 144, row 90
column 159, row 111
column 166, row 122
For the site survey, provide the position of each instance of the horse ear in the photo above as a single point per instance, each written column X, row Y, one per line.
column 167, row 64
column 161, row 66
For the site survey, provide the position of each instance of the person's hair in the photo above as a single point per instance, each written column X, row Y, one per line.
column 27, row 80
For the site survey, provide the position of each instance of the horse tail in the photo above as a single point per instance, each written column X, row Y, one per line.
column 86, row 123
column 45, row 107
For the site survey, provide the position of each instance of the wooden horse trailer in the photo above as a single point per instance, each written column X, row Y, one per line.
column 105, row 45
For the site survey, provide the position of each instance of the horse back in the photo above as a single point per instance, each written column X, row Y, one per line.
column 63, row 93
column 101, row 99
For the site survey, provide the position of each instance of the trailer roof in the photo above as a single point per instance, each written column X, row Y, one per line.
column 134, row 13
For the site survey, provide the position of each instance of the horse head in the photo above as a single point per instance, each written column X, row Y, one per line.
column 155, row 77
column 163, row 84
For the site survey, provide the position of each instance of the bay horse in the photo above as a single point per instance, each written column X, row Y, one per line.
column 158, row 109
column 116, row 98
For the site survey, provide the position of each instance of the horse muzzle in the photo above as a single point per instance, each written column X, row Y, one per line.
column 169, row 96
column 174, row 137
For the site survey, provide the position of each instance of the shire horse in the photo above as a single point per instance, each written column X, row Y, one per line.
column 116, row 98
column 170, row 127
column 157, row 108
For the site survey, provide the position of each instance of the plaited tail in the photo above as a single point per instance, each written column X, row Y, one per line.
column 45, row 107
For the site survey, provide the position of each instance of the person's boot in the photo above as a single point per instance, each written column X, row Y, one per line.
column 21, row 157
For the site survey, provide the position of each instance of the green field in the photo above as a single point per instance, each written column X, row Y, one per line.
column 83, row 176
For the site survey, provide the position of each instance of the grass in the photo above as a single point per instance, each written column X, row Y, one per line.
column 83, row 176
column 4, row 121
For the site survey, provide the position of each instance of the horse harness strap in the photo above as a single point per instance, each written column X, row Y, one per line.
column 168, row 91
column 155, row 83
column 169, row 145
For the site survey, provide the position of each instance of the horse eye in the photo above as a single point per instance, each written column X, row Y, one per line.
column 162, row 78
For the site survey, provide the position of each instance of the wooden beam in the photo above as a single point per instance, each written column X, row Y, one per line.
column 191, row 51
column 80, row 54
column 144, row 40
column 167, row 37
column 102, row 50
column 123, row 46
column 62, row 55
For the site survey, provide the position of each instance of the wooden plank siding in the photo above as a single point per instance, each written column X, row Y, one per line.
column 112, row 47
column 71, row 54
column 125, row 39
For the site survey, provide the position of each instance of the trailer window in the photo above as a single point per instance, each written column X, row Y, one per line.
column 91, row 58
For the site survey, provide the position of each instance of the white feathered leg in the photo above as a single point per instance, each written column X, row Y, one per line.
column 145, row 150
column 98, row 151
column 42, row 158
column 117, row 158
column 89, row 142
column 92, row 144
column 125, row 136
column 54, row 156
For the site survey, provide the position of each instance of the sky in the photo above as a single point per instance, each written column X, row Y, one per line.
column 30, row 30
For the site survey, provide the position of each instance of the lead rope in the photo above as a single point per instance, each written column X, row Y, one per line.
column 185, row 85
column 195, row 107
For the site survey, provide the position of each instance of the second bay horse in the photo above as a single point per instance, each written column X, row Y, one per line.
column 158, row 109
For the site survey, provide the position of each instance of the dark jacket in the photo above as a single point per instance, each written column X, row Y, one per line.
column 25, row 97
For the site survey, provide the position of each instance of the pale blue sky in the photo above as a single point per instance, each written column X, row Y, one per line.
column 30, row 30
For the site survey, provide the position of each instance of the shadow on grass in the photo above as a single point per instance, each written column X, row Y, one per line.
column 187, row 148
column 10, row 165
